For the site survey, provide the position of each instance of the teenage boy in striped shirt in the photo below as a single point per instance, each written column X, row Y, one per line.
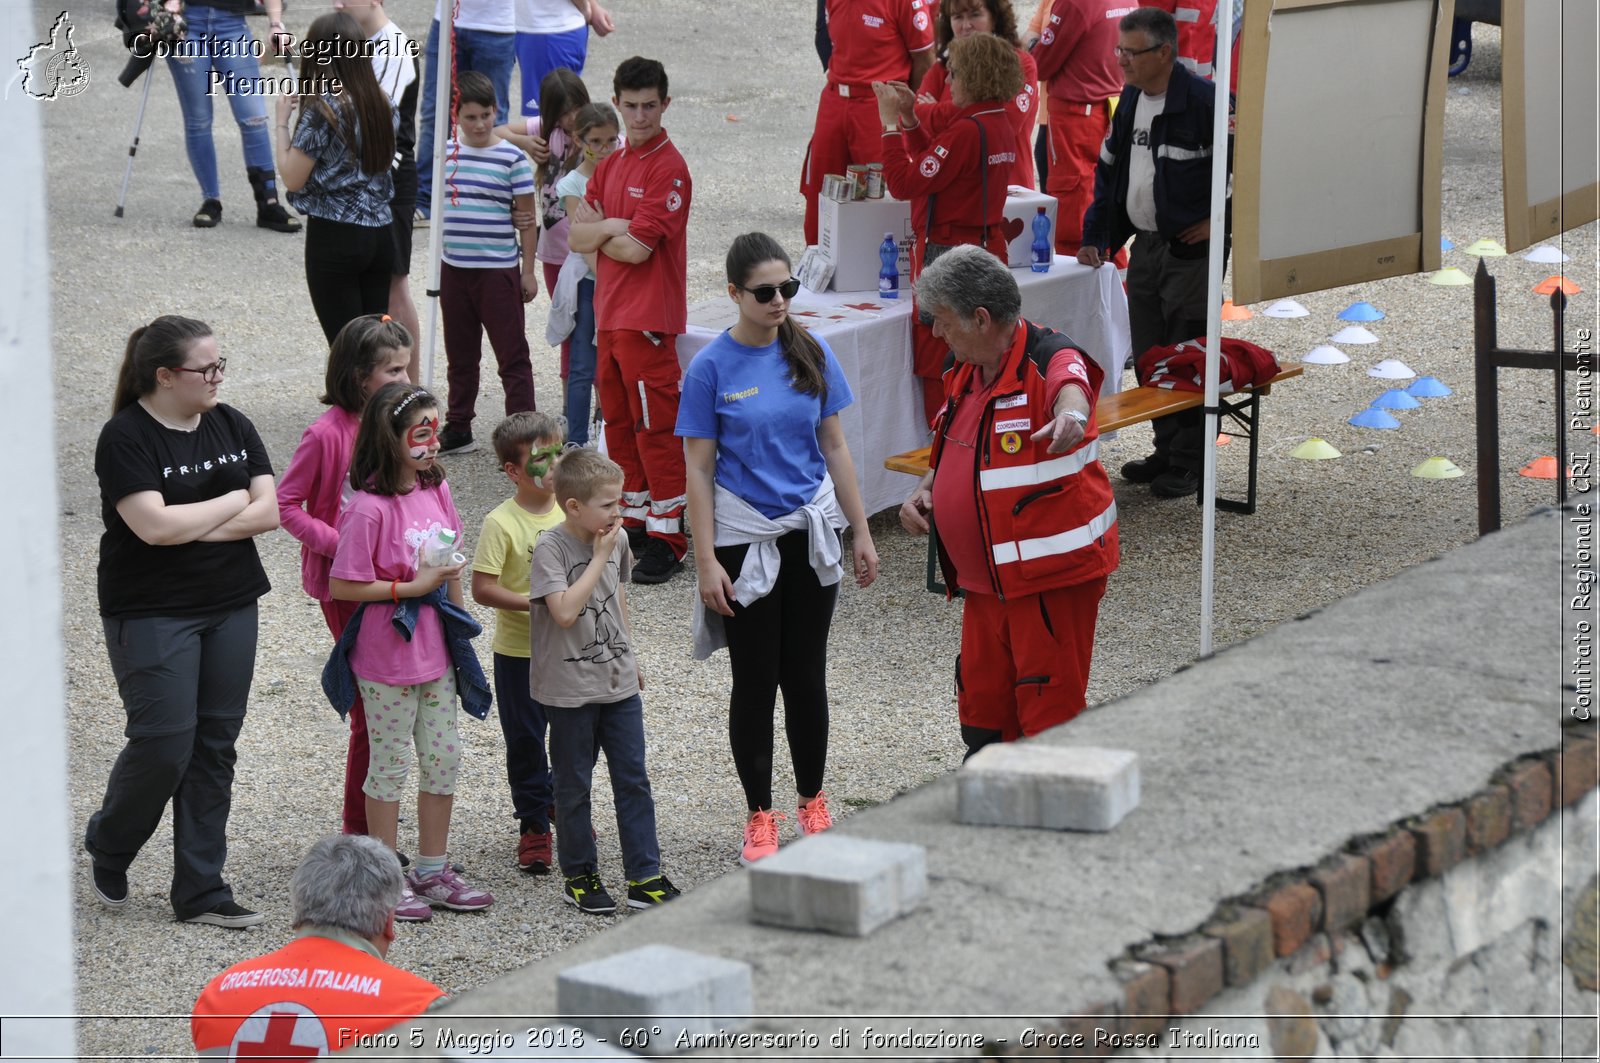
column 484, row 279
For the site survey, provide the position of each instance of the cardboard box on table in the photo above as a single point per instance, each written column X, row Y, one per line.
column 1021, row 205
column 849, row 234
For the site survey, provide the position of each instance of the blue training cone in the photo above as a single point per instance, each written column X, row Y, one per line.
column 1445, row 244
column 1429, row 387
column 1374, row 418
column 1361, row 312
column 1395, row 399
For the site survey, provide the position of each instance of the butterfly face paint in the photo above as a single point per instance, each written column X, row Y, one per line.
column 539, row 462
column 422, row 438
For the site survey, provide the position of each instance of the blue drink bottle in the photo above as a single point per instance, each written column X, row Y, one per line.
column 889, row 274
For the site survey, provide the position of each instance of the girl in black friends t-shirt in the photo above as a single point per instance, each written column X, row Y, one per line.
column 185, row 485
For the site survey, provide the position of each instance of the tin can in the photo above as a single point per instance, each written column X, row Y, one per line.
column 874, row 180
column 858, row 176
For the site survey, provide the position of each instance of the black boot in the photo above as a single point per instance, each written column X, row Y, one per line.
column 269, row 212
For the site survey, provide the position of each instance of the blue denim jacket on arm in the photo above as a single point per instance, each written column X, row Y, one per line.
column 339, row 682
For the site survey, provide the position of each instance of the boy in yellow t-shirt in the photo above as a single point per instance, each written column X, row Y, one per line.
column 526, row 444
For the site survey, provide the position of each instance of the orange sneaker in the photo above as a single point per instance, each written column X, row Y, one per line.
column 760, row 836
column 813, row 815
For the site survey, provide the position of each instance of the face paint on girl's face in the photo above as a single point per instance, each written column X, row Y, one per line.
column 599, row 142
column 422, row 439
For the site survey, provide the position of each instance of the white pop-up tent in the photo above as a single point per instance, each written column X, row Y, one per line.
column 441, row 138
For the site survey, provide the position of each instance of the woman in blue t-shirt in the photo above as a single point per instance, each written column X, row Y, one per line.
column 770, row 483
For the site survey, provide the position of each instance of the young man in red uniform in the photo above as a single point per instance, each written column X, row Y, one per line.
column 873, row 40
column 1077, row 62
column 956, row 177
column 330, row 986
column 636, row 216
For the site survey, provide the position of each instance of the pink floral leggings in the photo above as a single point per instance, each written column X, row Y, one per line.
column 397, row 717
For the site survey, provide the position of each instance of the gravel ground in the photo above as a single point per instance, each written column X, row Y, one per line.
column 1324, row 530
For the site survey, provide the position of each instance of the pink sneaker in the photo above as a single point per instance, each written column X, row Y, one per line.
column 760, row 836
column 411, row 908
column 447, row 889
column 813, row 815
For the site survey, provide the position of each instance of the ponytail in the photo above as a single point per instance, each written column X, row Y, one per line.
column 162, row 344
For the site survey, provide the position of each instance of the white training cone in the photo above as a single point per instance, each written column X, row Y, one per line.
column 1391, row 369
column 1325, row 355
column 1286, row 308
column 1352, row 334
column 1546, row 253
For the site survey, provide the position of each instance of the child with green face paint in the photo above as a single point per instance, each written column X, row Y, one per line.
column 526, row 444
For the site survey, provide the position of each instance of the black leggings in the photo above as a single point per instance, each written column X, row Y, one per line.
column 780, row 641
column 347, row 271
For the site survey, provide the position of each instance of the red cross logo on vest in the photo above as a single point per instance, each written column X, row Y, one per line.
column 281, row 1031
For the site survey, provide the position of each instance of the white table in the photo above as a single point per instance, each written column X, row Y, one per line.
column 875, row 354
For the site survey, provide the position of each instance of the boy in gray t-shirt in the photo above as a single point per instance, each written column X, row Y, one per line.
column 584, row 675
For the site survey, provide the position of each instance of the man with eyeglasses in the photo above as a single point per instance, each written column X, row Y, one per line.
column 1075, row 58
column 330, row 987
column 1153, row 183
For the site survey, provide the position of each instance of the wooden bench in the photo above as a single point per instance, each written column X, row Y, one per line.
column 1137, row 405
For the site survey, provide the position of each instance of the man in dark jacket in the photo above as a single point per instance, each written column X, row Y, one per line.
column 1153, row 183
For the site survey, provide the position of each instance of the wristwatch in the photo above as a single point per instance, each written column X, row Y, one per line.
column 890, row 127
column 1079, row 416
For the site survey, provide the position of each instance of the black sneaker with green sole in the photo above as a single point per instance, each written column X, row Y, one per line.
column 589, row 894
column 651, row 892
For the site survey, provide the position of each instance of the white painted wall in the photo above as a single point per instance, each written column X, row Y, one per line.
column 36, row 890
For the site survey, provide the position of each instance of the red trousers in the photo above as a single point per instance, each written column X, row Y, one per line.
column 638, row 381
column 358, row 756
column 1024, row 663
column 1075, row 139
column 471, row 302
column 847, row 133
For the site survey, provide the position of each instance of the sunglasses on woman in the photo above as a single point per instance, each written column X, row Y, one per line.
column 764, row 292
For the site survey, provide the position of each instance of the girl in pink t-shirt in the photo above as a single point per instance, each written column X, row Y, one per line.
column 367, row 353
column 407, row 687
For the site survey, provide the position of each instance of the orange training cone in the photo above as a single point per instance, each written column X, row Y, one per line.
column 1539, row 469
column 1235, row 313
column 1556, row 283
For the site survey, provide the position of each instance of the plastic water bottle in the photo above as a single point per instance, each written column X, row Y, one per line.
column 1043, row 251
column 889, row 274
column 439, row 551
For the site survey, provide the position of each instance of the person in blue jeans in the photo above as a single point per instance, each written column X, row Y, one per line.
column 595, row 130
column 218, row 42
column 486, row 41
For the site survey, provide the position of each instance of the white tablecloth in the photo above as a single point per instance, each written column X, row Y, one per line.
column 875, row 354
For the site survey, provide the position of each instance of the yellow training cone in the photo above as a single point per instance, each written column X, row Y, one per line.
column 1449, row 277
column 1315, row 449
column 1235, row 313
column 1438, row 469
column 1487, row 249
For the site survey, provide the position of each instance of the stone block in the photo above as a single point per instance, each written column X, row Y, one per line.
column 1441, row 841
column 1529, row 783
column 1291, row 1031
column 1246, row 936
column 1345, row 882
column 1296, row 911
column 681, row 992
column 839, row 884
column 1194, row 969
column 1025, row 784
column 1572, row 770
column 1488, row 819
column 1392, row 859
column 1145, row 999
